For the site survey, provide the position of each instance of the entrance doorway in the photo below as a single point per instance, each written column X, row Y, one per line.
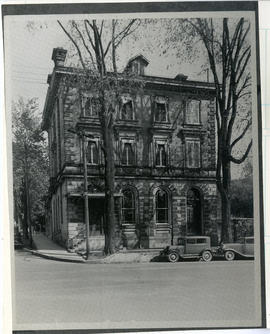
column 194, row 212
column 96, row 216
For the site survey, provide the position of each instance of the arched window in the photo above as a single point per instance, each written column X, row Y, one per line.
column 194, row 221
column 92, row 153
column 128, row 157
column 128, row 207
column 162, row 204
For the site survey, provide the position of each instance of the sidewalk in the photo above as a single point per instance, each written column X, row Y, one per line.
column 46, row 248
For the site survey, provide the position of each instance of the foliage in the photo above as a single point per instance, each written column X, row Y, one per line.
column 30, row 162
column 242, row 198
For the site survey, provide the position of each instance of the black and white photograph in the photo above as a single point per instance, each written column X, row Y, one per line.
column 135, row 186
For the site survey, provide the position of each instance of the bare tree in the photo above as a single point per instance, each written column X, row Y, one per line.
column 228, row 52
column 96, row 44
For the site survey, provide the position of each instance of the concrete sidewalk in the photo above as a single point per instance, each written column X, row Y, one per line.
column 46, row 248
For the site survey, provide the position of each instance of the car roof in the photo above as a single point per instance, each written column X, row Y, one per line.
column 195, row 237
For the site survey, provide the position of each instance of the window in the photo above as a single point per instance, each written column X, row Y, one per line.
column 127, row 111
column 128, row 156
column 193, row 112
column 128, row 207
column 161, row 200
column 194, row 209
column 127, row 107
column 92, row 153
column 161, row 155
column 193, row 154
column 91, row 106
column 160, row 112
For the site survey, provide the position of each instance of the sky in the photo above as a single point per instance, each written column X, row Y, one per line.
column 28, row 56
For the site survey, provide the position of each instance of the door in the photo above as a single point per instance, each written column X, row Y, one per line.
column 96, row 216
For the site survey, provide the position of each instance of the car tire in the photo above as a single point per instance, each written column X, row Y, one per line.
column 173, row 257
column 229, row 255
column 207, row 256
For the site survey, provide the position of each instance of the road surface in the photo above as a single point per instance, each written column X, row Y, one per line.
column 53, row 295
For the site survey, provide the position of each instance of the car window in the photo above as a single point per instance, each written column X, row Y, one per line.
column 191, row 241
column 201, row 241
column 181, row 241
column 250, row 241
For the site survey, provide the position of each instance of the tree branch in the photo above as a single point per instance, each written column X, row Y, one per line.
column 242, row 135
column 240, row 160
column 74, row 43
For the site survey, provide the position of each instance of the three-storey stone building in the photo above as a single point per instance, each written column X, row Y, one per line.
column 164, row 142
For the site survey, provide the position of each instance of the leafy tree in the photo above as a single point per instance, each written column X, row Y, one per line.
column 30, row 165
column 96, row 44
column 226, row 46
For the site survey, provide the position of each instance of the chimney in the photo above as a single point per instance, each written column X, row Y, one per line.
column 59, row 56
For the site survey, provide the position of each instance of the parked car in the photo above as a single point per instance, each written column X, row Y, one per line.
column 244, row 249
column 189, row 247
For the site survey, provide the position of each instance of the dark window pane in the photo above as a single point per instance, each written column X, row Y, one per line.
column 128, row 207
column 191, row 241
column 128, row 157
column 160, row 112
column 92, row 153
column 127, row 111
column 161, row 156
column 161, row 207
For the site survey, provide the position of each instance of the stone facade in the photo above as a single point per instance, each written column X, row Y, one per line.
column 165, row 152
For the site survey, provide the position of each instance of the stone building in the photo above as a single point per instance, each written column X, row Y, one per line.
column 165, row 160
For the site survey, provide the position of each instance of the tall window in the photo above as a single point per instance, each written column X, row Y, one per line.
column 92, row 153
column 128, row 156
column 161, row 201
column 161, row 155
column 193, row 112
column 91, row 106
column 193, row 154
column 128, row 207
column 160, row 112
column 127, row 111
column 194, row 212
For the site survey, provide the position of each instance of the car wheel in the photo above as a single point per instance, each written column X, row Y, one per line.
column 173, row 257
column 229, row 255
column 207, row 256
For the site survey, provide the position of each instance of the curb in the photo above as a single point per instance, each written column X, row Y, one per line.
column 51, row 257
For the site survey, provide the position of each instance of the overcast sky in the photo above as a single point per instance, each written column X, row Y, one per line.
column 28, row 55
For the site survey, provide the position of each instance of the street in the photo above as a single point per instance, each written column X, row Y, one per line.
column 53, row 295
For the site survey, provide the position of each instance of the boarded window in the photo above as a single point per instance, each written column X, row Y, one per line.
column 193, row 112
column 193, row 154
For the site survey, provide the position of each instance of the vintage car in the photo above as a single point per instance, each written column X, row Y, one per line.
column 189, row 247
column 242, row 249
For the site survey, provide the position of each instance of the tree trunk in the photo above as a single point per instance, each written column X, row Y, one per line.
column 109, row 182
column 224, row 187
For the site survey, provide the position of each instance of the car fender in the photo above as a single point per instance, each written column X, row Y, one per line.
column 236, row 252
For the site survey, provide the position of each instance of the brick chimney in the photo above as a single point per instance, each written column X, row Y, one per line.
column 59, row 56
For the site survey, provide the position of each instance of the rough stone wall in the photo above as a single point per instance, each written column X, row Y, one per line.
column 145, row 121
column 145, row 224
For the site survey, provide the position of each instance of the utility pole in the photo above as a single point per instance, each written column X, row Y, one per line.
column 85, row 192
column 83, row 137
